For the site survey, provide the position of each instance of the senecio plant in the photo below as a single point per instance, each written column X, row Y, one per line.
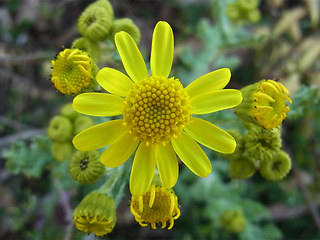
column 153, row 119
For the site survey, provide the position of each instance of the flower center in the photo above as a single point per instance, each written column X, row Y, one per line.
column 270, row 104
column 72, row 71
column 84, row 163
column 157, row 205
column 157, row 109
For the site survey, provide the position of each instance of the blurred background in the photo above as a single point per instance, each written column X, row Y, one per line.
column 37, row 193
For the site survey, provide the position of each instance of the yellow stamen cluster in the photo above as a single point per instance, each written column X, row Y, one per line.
column 157, row 109
column 157, row 205
column 72, row 71
column 94, row 225
column 270, row 104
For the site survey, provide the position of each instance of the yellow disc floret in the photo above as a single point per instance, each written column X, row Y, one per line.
column 157, row 109
column 72, row 71
column 270, row 104
column 157, row 205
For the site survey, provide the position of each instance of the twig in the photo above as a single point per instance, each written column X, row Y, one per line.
column 281, row 212
column 6, row 141
column 306, row 195
column 26, row 58
column 66, row 206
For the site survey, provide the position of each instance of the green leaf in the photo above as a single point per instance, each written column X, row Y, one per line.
column 302, row 100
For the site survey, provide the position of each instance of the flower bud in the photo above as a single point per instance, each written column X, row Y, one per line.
column 248, row 5
column 96, row 214
column 85, row 167
column 127, row 25
column 60, row 129
column 73, row 72
column 241, row 168
column 157, row 205
column 61, row 151
column 264, row 104
column 68, row 112
column 81, row 123
column 86, row 45
column 233, row 221
column 276, row 167
column 260, row 143
column 96, row 20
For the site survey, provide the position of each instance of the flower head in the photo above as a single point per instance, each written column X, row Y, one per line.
column 96, row 214
column 95, row 22
column 157, row 114
column 85, row 167
column 264, row 104
column 73, row 71
column 157, row 205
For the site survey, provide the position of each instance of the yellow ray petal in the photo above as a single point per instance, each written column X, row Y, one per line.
column 114, row 81
column 192, row 155
column 119, row 151
column 131, row 57
column 162, row 50
column 98, row 104
column 167, row 165
column 99, row 136
column 209, row 82
column 143, row 168
column 210, row 135
column 215, row 101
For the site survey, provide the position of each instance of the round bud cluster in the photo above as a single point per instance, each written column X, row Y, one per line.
column 262, row 111
column 62, row 128
column 259, row 150
column 242, row 11
column 97, row 23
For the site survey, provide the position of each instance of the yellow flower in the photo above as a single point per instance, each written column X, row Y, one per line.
column 157, row 205
column 264, row 104
column 156, row 114
column 73, row 71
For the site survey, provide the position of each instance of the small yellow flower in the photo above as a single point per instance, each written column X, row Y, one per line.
column 96, row 214
column 264, row 104
column 72, row 71
column 157, row 205
column 270, row 107
column 156, row 114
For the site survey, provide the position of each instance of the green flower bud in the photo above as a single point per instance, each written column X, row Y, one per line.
column 68, row 112
column 60, row 129
column 82, row 123
column 233, row 12
column 85, row 44
column 96, row 214
column 241, row 168
column 85, row 167
column 127, row 25
column 96, row 20
column 260, row 143
column 254, row 15
column 240, row 145
column 233, row 221
column 264, row 104
column 73, row 72
column 61, row 151
column 277, row 167
column 248, row 5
